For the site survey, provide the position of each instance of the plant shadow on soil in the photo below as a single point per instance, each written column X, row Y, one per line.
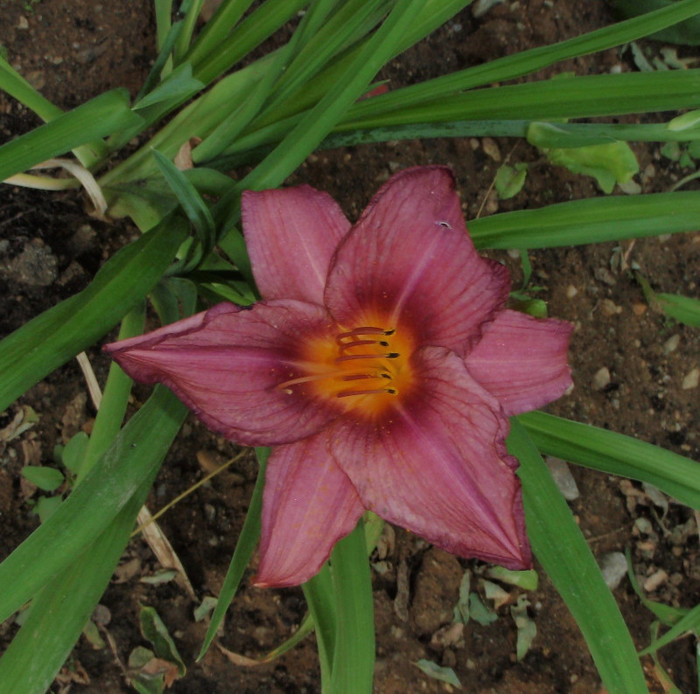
column 50, row 248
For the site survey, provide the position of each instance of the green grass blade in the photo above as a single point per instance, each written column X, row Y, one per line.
column 353, row 657
column 684, row 309
column 688, row 623
column 217, row 28
column 114, row 398
column 566, row 97
column 305, row 628
column 589, row 221
column 501, row 110
column 353, row 19
column 17, row 87
column 57, row 335
column 183, row 42
column 306, row 136
column 431, row 15
column 95, row 119
column 560, row 547
column 686, row 33
column 163, row 11
column 60, row 610
column 190, row 200
column 319, row 597
column 527, row 62
column 561, row 134
column 617, row 454
column 252, row 31
column 165, row 47
column 197, row 119
column 132, row 460
column 665, row 613
column 247, row 541
column 230, row 126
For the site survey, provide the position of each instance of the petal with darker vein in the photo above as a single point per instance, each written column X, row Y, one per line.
column 410, row 259
column 291, row 235
column 522, row 360
column 308, row 505
column 227, row 364
column 438, row 465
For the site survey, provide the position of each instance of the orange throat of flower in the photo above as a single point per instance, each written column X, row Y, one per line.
column 366, row 369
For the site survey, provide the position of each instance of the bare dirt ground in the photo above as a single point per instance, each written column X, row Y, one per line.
column 49, row 248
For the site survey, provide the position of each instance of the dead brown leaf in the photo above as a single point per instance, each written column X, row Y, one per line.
column 238, row 659
column 127, row 570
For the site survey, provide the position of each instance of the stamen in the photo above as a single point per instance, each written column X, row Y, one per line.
column 358, row 377
column 360, row 363
column 307, row 379
column 349, row 357
column 360, row 343
column 374, row 391
column 364, row 330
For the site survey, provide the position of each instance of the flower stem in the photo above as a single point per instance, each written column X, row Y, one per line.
column 353, row 660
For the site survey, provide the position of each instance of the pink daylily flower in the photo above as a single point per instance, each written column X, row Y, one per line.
column 381, row 365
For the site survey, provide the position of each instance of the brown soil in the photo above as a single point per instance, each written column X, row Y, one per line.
column 49, row 248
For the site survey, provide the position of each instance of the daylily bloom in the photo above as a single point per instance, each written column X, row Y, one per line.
column 381, row 365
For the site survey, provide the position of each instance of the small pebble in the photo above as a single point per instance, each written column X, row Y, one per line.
column 481, row 7
column 22, row 23
column 35, row 266
column 601, row 378
column 671, row 345
column 610, row 308
column 691, row 380
column 657, row 579
column 561, row 474
column 571, row 291
column 639, row 309
column 613, row 566
column 602, row 274
column 630, row 188
column 491, row 149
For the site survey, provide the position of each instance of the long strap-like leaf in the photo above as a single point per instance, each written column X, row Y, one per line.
column 57, row 335
column 560, row 547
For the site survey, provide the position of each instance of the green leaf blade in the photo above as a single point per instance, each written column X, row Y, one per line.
column 95, row 502
column 595, row 220
column 560, row 547
column 95, row 119
column 617, row 454
column 247, row 541
column 50, row 339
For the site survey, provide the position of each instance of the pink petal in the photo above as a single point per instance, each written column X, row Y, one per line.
column 522, row 360
column 438, row 465
column 410, row 260
column 308, row 505
column 227, row 364
column 291, row 235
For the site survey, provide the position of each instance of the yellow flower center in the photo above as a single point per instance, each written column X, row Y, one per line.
column 364, row 369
